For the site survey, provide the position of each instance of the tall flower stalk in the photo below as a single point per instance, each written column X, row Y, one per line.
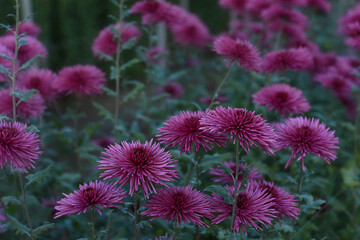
column 236, row 182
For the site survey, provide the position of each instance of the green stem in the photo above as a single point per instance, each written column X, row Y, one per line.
column 93, row 233
column 117, row 64
column 356, row 136
column 76, row 128
column 188, row 173
column 221, row 85
column 197, row 162
column 301, row 175
column 236, row 189
column 26, row 207
column 108, row 225
column 175, row 231
column 136, row 231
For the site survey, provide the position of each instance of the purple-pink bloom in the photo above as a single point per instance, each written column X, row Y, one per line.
column 283, row 98
column 240, row 51
column 140, row 164
column 155, row 54
column 35, row 107
column 285, row 60
column 39, row 79
column 153, row 11
column 237, row 5
column 285, row 203
column 32, row 48
column 243, row 126
column 104, row 142
column 5, row 62
column 184, row 130
column 91, row 195
column 106, row 41
column 253, row 207
column 80, row 79
column 18, row 146
column 305, row 136
column 221, row 175
column 179, row 204
column 174, row 89
column 28, row 27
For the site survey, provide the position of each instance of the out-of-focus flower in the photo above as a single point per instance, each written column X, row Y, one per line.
column 179, row 204
column 284, row 16
column 5, row 62
column 283, row 98
column 106, row 41
column 104, row 142
column 80, row 79
column 155, row 54
column 139, row 164
column 243, row 126
column 242, row 52
column 91, row 195
column 349, row 25
column 174, row 89
column 32, row 48
column 237, row 5
column 305, row 136
column 18, row 146
column 285, row 60
column 184, row 130
column 35, row 107
column 153, row 11
column 39, row 79
column 220, row 175
column 28, row 27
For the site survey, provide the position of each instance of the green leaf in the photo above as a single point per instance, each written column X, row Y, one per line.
column 24, row 97
column 33, row 128
column 129, row 44
column 22, row 42
column 104, row 56
column 103, row 111
column 18, row 226
column 4, row 70
column 108, row 91
column 38, row 176
column 5, row 56
column 129, row 64
column 30, row 62
column 43, row 228
column 133, row 93
column 5, row 117
column 10, row 200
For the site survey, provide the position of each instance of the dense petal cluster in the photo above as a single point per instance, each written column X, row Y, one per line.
column 34, row 108
column 139, row 164
column 253, row 207
column 39, row 79
column 349, row 25
column 277, row 14
column 243, row 126
column 221, row 175
column 184, row 130
column 179, row 204
column 237, row 5
column 80, row 79
column 106, row 41
column 91, row 195
column 28, row 27
column 5, row 62
column 283, row 98
column 240, row 51
column 153, row 11
column 32, row 48
column 305, row 136
column 285, row 60
column 18, row 146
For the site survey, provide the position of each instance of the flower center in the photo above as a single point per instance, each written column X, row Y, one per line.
column 179, row 200
column 6, row 134
column 89, row 195
column 192, row 124
column 35, row 82
column 282, row 96
column 139, row 156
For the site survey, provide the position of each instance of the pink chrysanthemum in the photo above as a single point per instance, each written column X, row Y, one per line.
column 80, row 79
column 39, row 79
column 285, row 60
column 285, row 203
column 241, row 51
column 283, row 98
column 335, row 81
column 6, row 63
column 283, row 16
column 18, row 146
column 155, row 54
column 139, row 164
column 91, row 195
column 253, row 207
column 184, row 130
column 220, row 175
column 32, row 48
column 305, row 136
column 28, row 27
column 174, row 89
column 349, row 25
column 243, row 126
column 35, row 107
column 291, row 3
column 153, row 11
column 237, row 5
column 179, row 204
column 106, row 43
column 322, row 5
column 256, row 7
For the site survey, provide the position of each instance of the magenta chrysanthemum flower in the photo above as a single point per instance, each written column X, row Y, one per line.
column 237, row 5
column 184, row 130
column 32, row 48
column 179, row 204
column 106, row 43
column 282, row 98
column 220, row 175
column 243, row 126
column 80, row 79
column 174, row 89
column 349, row 25
column 283, row 16
column 28, row 27
column 35, row 107
column 285, row 203
column 253, row 207
column 153, row 11
column 155, row 54
column 91, row 195
column 39, row 79
column 285, row 60
column 243, row 52
column 255, row 7
column 305, row 136
column 18, row 146
column 6, row 63
column 139, row 164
